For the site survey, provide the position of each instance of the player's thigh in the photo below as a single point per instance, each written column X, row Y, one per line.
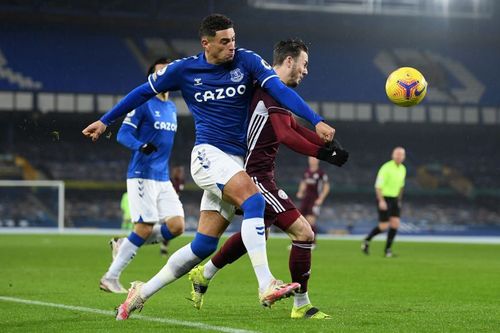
column 142, row 196
column 383, row 215
column 277, row 200
column 212, row 169
column 168, row 201
column 300, row 230
column 393, row 208
column 212, row 223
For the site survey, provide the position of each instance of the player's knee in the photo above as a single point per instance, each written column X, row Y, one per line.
column 305, row 234
column 254, row 206
column 143, row 230
column 383, row 226
column 204, row 245
column 176, row 226
column 308, row 235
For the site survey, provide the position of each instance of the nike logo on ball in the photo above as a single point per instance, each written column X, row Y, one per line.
column 418, row 93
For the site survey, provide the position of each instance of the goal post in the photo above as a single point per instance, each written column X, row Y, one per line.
column 26, row 203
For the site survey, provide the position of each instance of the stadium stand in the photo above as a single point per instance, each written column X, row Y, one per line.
column 81, row 69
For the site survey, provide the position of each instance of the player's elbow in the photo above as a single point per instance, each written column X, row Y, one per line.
column 121, row 137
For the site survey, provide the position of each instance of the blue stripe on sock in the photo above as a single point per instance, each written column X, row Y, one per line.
column 136, row 239
column 166, row 234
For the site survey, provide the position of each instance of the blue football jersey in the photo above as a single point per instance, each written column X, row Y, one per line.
column 217, row 95
column 153, row 122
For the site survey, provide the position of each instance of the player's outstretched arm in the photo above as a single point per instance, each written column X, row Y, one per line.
column 292, row 101
column 94, row 130
column 307, row 133
column 283, row 125
column 135, row 98
column 284, row 128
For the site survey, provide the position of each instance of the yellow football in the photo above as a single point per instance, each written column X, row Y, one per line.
column 406, row 86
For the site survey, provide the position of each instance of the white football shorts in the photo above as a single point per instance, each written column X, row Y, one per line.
column 152, row 201
column 211, row 169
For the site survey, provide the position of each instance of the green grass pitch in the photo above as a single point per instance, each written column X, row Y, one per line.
column 427, row 288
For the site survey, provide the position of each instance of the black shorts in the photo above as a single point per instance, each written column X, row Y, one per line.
column 393, row 209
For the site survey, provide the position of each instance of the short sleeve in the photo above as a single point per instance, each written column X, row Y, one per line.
column 379, row 182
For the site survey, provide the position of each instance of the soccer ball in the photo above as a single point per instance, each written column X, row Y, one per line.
column 406, row 86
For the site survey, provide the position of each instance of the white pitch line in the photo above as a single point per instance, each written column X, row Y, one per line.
column 200, row 326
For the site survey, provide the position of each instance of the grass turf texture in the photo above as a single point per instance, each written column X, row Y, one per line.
column 428, row 288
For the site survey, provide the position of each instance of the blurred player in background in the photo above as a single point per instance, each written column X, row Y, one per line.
column 389, row 187
column 271, row 125
column 149, row 132
column 125, row 208
column 217, row 86
column 313, row 190
column 177, row 178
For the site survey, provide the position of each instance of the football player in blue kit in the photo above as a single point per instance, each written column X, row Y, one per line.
column 149, row 132
column 217, row 86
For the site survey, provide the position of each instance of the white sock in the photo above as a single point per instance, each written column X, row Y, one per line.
column 156, row 236
column 125, row 254
column 179, row 263
column 256, row 248
column 301, row 299
column 209, row 270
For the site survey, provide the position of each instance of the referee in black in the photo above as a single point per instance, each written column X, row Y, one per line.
column 389, row 190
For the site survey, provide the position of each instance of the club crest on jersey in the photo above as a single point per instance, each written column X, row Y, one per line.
column 282, row 194
column 236, row 75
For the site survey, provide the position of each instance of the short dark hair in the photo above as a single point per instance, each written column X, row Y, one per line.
column 290, row 47
column 158, row 61
column 213, row 23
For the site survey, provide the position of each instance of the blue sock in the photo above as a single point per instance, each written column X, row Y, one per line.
column 204, row 245
column 166, row 234
column 136, row 239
